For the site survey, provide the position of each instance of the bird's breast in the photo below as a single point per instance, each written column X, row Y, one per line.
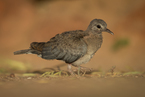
column 93, row 44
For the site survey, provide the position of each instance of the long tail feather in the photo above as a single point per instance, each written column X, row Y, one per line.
column 35, row 48
column 26, row 51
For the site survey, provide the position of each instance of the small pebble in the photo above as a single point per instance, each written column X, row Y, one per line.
column 12, row 75
column 29, row 78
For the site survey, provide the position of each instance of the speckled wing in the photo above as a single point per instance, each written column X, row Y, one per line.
column 67, row 46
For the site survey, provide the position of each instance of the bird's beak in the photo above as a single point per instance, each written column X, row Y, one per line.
column 107, row 30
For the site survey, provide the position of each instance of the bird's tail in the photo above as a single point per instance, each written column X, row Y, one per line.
column 35, row 48
column 26, row 51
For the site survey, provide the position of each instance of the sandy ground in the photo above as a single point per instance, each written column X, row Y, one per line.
column 87, row 86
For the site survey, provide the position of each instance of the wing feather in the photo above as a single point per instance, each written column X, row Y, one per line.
column 67, row 46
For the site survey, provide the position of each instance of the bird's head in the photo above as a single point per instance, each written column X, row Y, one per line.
column 98, row 26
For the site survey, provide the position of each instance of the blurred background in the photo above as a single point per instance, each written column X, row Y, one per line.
column 26, row 21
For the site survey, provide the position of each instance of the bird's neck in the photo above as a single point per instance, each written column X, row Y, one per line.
column 93, row 33
column 94, row 41
column 96, row 37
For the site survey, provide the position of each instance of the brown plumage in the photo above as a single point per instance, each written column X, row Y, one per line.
column 73, row 47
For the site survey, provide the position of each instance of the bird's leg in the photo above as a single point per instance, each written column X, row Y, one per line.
column 79, row 68
column 69, row 69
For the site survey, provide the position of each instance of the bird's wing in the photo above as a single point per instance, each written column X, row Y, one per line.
column 38, row 46
column 67, row 46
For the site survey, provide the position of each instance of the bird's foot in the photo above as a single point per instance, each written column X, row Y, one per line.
column 70, row 70
column 82, row 70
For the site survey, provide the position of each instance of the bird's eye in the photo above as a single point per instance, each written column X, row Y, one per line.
column 98, row 26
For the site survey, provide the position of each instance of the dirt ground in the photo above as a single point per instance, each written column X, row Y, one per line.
column 90, row 85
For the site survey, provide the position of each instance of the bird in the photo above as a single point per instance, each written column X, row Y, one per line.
column 74, row 47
